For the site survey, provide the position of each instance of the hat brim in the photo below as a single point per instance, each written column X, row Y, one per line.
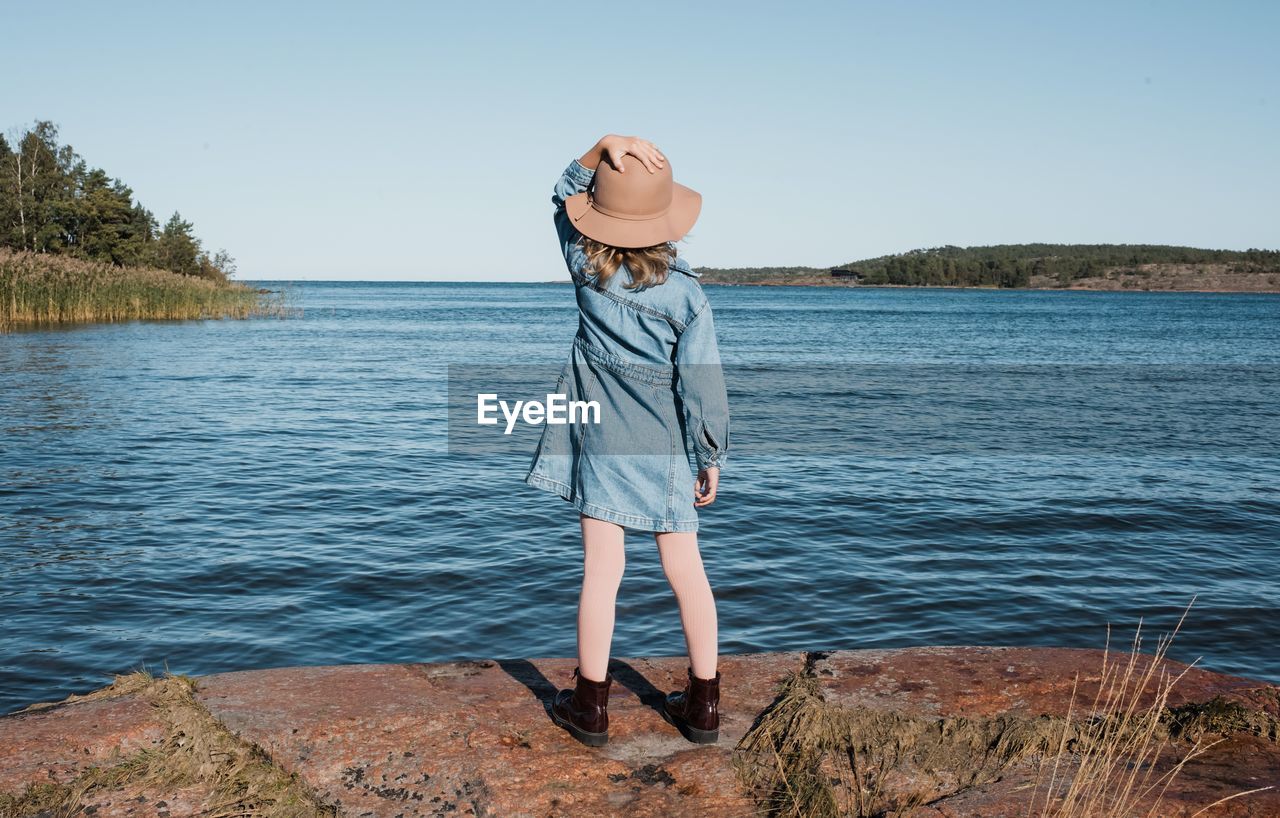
column 686, row 204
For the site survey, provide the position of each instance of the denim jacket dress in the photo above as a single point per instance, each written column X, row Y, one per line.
column 649, row 358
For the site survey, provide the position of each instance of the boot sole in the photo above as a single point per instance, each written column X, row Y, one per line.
column 690, row 732
column 586, row 737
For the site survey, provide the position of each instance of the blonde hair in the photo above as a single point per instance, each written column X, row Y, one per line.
column 647, row 265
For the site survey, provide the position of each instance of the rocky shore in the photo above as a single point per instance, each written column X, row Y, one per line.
column 946, row 731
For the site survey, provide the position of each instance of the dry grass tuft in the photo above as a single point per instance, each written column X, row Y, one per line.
column 805, row 757
column 196, row 749
column 1124, row 743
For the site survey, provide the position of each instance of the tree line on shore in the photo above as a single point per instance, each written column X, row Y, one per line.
column 53, row 202
column 1013, row 265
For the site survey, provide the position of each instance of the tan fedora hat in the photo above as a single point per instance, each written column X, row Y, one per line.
column 634, row 208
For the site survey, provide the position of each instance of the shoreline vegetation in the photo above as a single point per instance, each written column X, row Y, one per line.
column 39, row 289
column 76, row 247
column 1135, row 267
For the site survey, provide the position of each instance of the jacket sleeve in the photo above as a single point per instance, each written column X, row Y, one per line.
column 700, row 384
column 575, row 179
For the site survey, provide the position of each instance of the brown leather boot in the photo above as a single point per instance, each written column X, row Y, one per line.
column 584, row 711
column 695, row 711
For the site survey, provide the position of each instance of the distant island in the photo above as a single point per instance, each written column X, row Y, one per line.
column 1038, row 266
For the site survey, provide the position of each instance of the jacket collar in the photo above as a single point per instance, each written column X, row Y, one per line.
column 683, row 266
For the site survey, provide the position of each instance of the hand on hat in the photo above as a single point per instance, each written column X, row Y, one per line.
column 614, row 147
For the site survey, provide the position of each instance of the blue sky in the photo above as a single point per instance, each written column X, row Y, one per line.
column 420, row 140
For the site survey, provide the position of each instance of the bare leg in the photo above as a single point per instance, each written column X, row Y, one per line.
column 603, row 561
column 682, row 563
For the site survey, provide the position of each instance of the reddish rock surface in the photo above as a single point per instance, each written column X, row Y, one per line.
column 57, row 744
column 476, row 738
column 987, row 681
column 138, row 801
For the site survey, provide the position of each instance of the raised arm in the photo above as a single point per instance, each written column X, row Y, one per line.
column 575, row 179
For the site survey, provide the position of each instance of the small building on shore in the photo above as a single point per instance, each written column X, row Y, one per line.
column 841, row 272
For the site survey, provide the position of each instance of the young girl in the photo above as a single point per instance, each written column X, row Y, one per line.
column 646, row 352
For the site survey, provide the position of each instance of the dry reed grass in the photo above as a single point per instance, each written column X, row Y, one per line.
column 1123, row 756
column 808, row 758
column 240, row 778
column 46, row 289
